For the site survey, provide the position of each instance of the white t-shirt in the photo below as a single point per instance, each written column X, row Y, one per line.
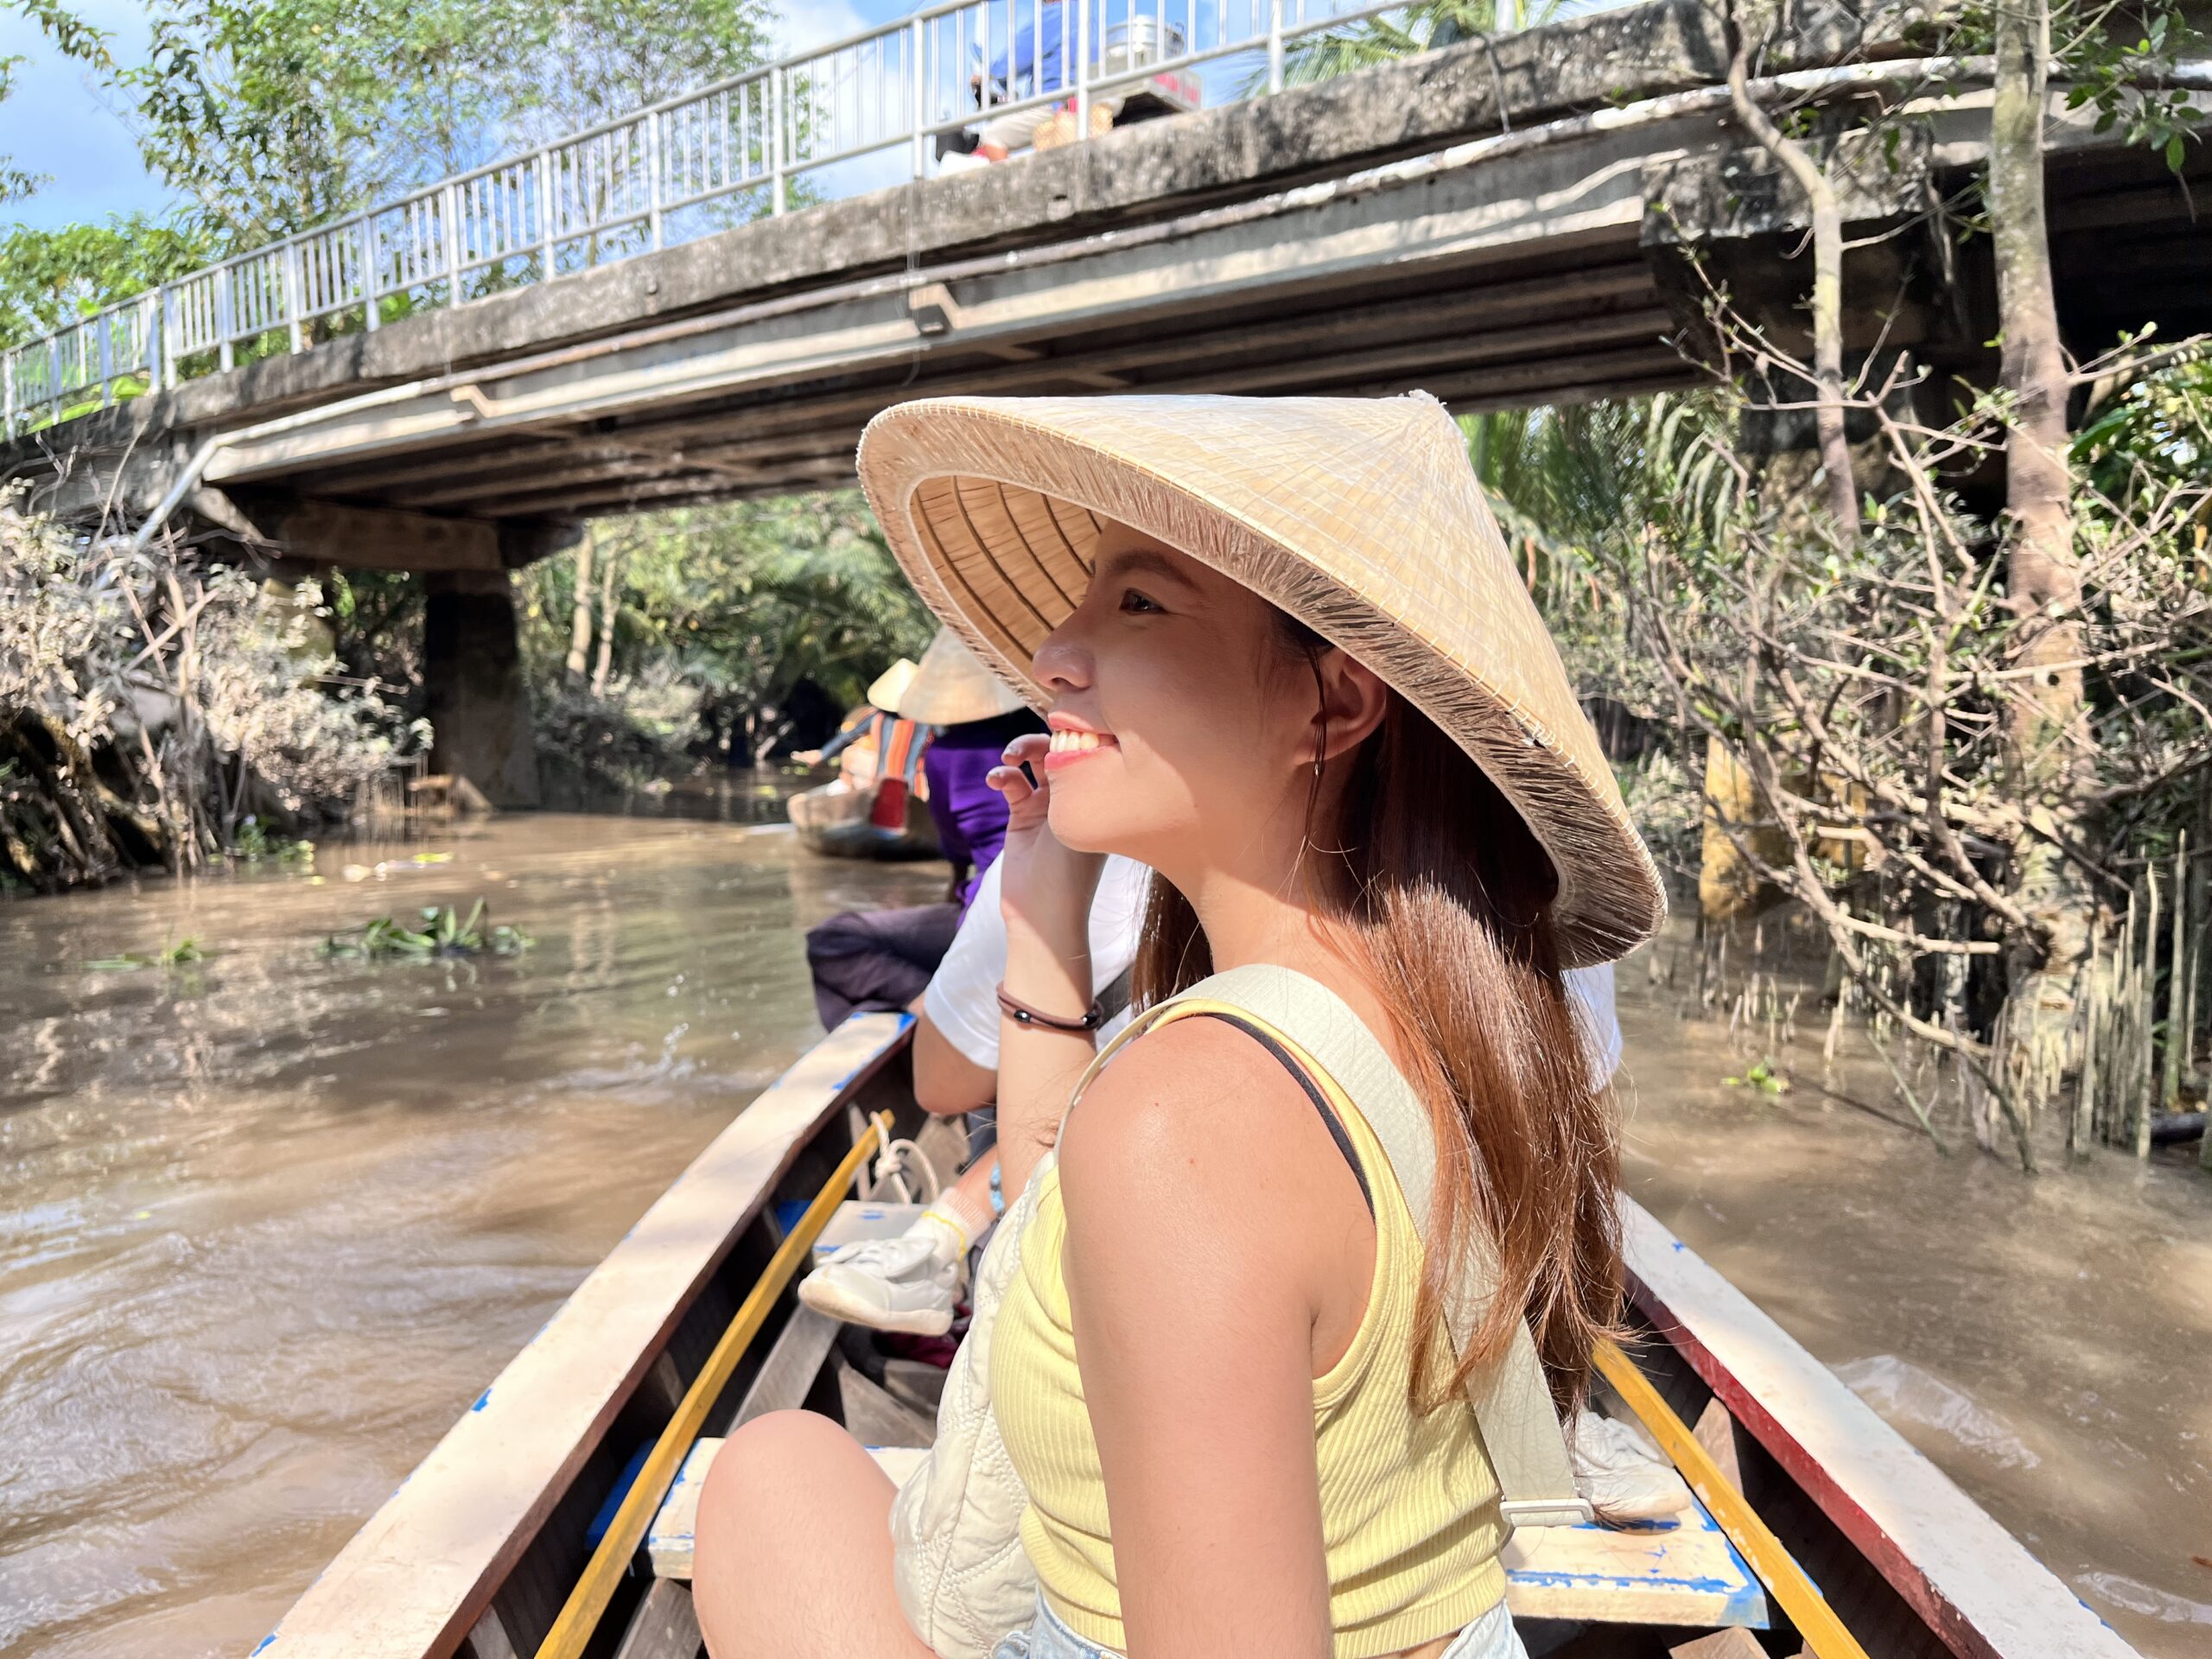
column 962, row 998
column 962, row 1003
column 1591, row 990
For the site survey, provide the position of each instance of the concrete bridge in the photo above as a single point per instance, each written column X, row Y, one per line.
column 1500, row 222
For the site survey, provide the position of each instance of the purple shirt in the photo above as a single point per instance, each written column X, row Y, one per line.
column 970, row 815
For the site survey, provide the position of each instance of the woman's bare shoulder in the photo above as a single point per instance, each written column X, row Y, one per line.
column 1189, row 1124
column 1187, row 1085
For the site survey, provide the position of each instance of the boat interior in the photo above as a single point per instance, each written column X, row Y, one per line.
column 554, row 1521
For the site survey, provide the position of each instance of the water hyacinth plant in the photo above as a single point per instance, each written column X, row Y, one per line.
column 179, row 954
column 442, row 933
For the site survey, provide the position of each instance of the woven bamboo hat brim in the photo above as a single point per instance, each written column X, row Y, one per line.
column 1360, row 517
column 952, row 688
column 891, row 685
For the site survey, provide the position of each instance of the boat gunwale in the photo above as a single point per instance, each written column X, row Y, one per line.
column 349, row 1608
column 2016, row 1608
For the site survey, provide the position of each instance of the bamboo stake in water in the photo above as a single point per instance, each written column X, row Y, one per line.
column 2093, row 1005
column 2178, row 983
column 2144, row 1002
column 1911, row 1099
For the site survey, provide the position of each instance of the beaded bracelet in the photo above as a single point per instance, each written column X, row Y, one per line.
column 1022, row 1015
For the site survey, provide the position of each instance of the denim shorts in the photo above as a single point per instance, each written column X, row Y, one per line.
column 1491, row 1637
column 1047, row 1639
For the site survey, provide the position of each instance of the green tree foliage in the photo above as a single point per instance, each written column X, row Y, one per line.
column 51, row 277
column 1427, row 26
column 2152, row 434
column 1573, row 486
column 273, row 116
column 569, row 67
column 265, row 115
column 720, row 613
column 15, row 182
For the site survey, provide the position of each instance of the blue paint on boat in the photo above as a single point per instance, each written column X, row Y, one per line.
column 1711, row 1587
column 482, row 1400
column 263, row 1643
column 605, row 1518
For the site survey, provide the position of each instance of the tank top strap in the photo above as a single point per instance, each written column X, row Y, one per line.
column 1335, row 1041
column 1509, row 1397
column 1339, row 1042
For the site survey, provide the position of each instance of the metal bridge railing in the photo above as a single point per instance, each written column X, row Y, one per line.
column 669, row 173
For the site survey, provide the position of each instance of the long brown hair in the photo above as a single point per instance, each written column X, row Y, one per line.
column 1436, row 890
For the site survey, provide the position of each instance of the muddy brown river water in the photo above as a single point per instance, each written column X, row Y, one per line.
column 268, row 1222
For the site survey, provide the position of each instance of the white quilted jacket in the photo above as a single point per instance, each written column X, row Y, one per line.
column 963, row 1577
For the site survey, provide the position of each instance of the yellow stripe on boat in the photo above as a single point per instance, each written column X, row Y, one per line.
column 1824, row 1634
column 579, row 1615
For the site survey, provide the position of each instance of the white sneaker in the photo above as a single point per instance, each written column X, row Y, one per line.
column 1624, row 1475
column 886, row 1284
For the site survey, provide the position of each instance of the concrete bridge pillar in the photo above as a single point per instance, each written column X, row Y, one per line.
column 478, row 704
column 474, row 694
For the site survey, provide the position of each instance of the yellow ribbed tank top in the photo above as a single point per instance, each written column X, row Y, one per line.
column 1410, row 1506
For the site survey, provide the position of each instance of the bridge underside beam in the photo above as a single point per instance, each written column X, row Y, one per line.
column 1535, row 277
column 351, row 535
column 1521, row 282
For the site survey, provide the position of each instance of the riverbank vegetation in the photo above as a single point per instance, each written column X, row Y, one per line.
column 154, row 708
column 1937, row 669
column 721, row 636
column 1832, row 721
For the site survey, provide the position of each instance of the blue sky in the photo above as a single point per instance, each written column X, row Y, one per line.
column 57, row 122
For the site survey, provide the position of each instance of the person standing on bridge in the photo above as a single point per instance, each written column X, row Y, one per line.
column 1346, row 1184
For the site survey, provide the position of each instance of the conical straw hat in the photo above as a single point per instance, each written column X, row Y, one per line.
column 1360, row 517
column 952, row 688
column 891, row 685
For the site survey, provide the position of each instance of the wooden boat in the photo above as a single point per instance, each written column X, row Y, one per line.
column 553, row 1519
column 833, row 820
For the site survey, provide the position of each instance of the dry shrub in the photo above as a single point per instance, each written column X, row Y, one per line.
column 150, row 704
column 1869, row 687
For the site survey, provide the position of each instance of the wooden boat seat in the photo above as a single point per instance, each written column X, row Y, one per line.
column 1687, row 1574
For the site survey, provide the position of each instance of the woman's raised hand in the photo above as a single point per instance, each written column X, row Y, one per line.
column 1046, row 885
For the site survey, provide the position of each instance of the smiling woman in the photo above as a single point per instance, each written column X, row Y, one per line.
column 1287, row 664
